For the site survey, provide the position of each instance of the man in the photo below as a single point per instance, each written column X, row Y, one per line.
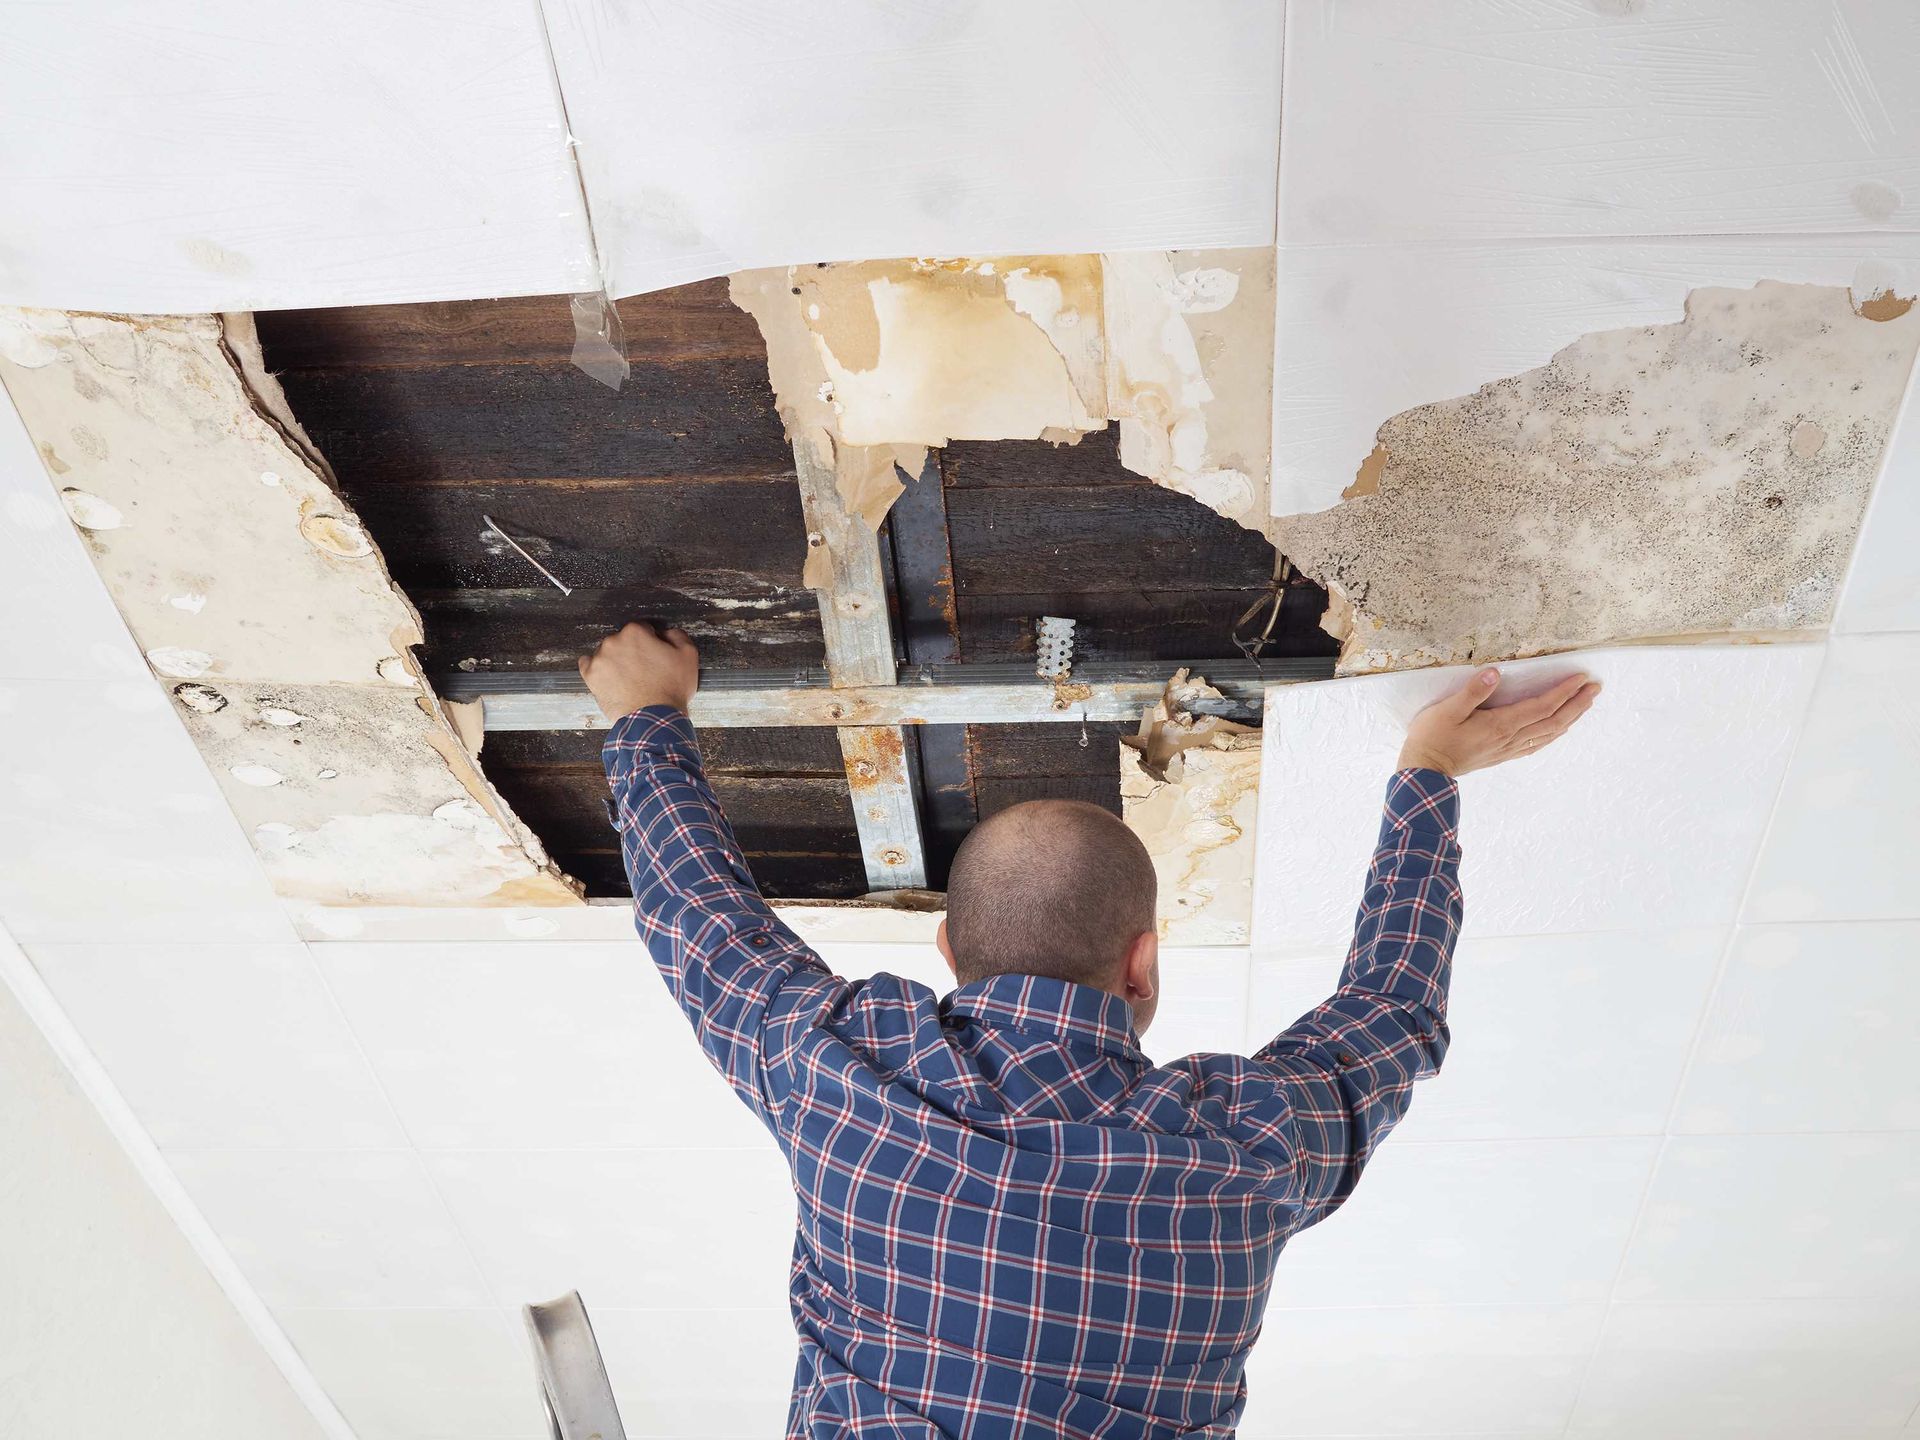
column 1012, row 1223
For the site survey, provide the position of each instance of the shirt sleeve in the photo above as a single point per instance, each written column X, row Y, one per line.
column 1345, row 1069
column 717, row 943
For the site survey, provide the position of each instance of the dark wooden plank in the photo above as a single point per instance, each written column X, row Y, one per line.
column 1014, row 540
column 712, row 540
column 780, row 876
column 997, row 794
column 493, row 421
column 695, row 321
column 543, row 631
column 1094, row 461
column 1004, row 752
column 808, row 813
column 744, row 750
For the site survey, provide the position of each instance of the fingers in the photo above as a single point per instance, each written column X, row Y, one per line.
column 1472, row 695
column 1543, row 733
column 1523, row 713
column 677, row 638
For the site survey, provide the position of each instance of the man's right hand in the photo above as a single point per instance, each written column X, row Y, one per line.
column 1462, row 732
column 638, row 666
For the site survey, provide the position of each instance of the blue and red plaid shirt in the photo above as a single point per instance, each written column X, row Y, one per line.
column 1011, row 1222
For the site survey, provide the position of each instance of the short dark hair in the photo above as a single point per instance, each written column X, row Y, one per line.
column 1048, row 887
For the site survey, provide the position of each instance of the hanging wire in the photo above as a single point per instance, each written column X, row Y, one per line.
column 1270, row 601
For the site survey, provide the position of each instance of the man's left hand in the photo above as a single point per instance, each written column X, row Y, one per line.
column 638, row 666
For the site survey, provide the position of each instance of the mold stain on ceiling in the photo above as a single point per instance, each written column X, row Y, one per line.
column 1706, row 477
column 266, row 610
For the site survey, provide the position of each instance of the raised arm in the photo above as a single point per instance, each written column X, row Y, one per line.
column 716, row 941
column 1346, row 1068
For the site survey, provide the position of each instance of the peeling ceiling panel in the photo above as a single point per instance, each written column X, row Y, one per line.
column 1701, row 477
column 1198, row 825
column 205, row 155
column 1598, row 117
column 1364, row 333
column 873, row 361
column 255, row 595
column 1657, row 811
column 878, row 129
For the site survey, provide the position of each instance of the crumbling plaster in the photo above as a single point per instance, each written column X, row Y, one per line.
column 265, row 610
column 1701, row 477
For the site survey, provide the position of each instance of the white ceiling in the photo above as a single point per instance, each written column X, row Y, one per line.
column 1665, row 1187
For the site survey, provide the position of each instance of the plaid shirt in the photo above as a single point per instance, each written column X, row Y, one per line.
column 1011, row 1222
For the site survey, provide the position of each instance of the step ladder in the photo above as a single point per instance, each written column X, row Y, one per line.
column 573, row 1377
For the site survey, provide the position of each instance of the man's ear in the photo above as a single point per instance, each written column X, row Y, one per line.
column 946, row 950
column 1143, row 967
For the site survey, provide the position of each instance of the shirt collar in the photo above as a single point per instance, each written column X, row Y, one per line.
column 1076, row 1014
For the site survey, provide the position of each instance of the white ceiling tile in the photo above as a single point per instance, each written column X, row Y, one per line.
column 1759, row 1371
column 1841, row 843
column 1417, row 1371
column 1363, row 332
column 61, row 624
column 333, row 1228
column 627, row 1228
column 1650, row 811
column 1552, row 1034
column 869, row 129
column 663, row 1367
column 423, row 1374
column 1807, row 1031
column 216, row 1045
column 536, row 1045
column 1757, row 1217
column 1882, row 590
column 1468, row 1222
column 235, row 156
column 1406, row 119
column 115, row 829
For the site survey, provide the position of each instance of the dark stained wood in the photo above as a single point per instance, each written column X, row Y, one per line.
column 1012, row 540
column 743, row 750
column 689, row 322
column 779, row 876
column 1094, row 461
column 422, row 424
column 997, row 795
column 1002, row 752
column 1124, row 625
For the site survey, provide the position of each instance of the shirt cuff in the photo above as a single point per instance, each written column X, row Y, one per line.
column 1424, row 800
column 654, row 728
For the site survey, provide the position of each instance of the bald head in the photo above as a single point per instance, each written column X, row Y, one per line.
column 1051, row 887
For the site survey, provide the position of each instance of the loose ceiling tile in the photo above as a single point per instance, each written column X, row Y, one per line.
column 261, row 603
column 1840, row 846
column 873, row 361
column 1409, row 120
column 202, row 155
column 1780, row 1370
column 873, row 129
column 1556, row 1034
column 1190, row 790
column 1703, row 477
column 1800, row 1034
column 1883, row 586
column 1366, row 332
column 1652, row 808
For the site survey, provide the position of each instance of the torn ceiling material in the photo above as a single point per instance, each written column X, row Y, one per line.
column 872, row 357
column 1703, row 477
column 1190, row 789
column 266, row 611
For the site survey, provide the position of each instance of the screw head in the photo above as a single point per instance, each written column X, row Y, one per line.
column 893, row 857
column 864, row 769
